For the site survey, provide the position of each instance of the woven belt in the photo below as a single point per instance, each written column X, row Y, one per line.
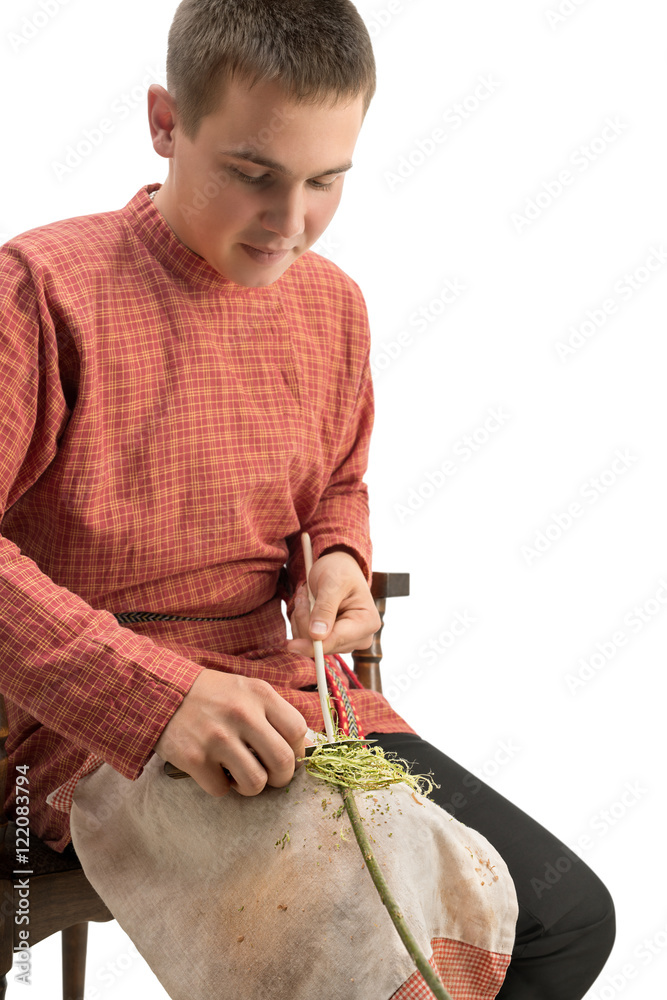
column 133, row 617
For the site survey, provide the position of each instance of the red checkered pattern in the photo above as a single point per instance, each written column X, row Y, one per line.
column 165, row 436
column 466, row 972
column 61, row 799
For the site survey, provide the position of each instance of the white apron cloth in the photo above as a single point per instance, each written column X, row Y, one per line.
column 267, row 897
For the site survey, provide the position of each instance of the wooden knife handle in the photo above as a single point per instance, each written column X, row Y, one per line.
column 174, row 772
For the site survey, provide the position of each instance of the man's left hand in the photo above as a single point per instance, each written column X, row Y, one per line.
column 344, row 615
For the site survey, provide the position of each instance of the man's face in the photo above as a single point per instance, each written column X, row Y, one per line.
column 260, row 182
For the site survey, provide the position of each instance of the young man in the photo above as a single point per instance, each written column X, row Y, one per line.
column 184, row 390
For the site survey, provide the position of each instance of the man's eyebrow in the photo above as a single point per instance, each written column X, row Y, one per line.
column 264, row 161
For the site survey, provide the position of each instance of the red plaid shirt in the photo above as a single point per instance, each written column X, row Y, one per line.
column 165, row 435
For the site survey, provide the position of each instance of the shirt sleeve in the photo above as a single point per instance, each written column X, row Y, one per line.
column 73, row 668
column 341, row 519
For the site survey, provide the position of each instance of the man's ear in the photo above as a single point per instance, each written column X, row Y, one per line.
column 162, row 119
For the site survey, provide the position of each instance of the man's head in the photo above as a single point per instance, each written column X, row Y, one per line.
column 317, row 50
column 264, row 104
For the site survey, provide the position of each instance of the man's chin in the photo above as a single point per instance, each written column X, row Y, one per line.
column 251, row 275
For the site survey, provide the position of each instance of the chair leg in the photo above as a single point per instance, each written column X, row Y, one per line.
column 3, row 987
column 74, row 943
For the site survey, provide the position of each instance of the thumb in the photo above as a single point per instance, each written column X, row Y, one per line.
column 322, row 618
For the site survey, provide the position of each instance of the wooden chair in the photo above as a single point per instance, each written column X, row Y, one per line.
column 367, row 661
column 61, row 897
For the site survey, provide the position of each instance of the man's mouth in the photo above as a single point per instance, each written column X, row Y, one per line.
column 265, row 255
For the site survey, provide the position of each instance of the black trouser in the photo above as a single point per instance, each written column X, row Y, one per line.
column 566, row 922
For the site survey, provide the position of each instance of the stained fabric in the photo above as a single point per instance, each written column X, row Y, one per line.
column 268, row 896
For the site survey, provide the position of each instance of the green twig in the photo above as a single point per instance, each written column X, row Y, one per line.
column 415, row 952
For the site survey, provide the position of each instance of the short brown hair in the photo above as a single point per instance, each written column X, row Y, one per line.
column 316, row 49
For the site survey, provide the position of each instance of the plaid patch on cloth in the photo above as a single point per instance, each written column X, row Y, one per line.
column 61, row 798
column 466, row 972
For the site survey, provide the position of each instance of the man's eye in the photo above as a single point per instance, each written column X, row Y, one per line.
column 249, row 179
column 323, row 187
column 246, row 178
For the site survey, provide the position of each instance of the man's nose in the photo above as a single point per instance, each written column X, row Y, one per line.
column 286, row 215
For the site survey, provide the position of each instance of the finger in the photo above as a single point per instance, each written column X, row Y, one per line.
column 186, row 755
column 309, row 742
column 353, row 630
column 304, row 647
column 210, row 777
column 282, row 742
column 341, row 641
column 326, row 607
column 333, row 644
column 249, row 776
column 301, row 614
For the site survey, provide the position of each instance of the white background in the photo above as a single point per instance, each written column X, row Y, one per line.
column 496, row 697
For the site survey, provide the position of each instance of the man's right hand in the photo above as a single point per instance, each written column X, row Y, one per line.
column 235, row 722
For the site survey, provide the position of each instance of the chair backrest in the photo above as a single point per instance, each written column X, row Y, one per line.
column 367, row 661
